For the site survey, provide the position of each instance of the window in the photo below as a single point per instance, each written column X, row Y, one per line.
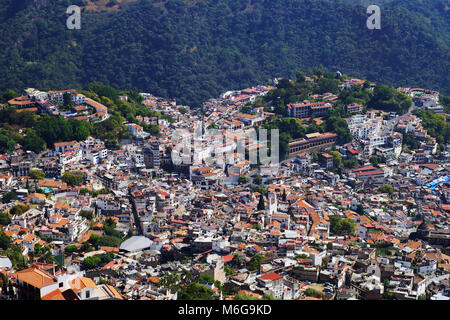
column 61, row 284
column 87, row 294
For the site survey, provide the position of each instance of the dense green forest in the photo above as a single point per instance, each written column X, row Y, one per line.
column 193, row 50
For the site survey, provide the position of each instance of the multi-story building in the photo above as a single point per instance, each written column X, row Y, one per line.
column 21, row 169
column 152, row 155
column 354, row 108
column 58, row 96
column 36, row 95
column 312, row 142
column 307, row 109
column 137, row 131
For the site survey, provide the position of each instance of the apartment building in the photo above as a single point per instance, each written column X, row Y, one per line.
column 312, row 142
column 308, row 109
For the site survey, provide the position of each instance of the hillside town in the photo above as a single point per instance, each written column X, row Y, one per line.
column 82, row 221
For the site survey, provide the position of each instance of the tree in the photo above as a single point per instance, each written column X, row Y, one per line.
column 360, row 209
column 85, row 247
column 300, row 76
column 18, row 210
column 445, row 102
column 94, row 240
column 5, row 242
column 152, row 128
column 374, row 160
column 195, row 291
column 388, row 99
column 91, row 262
column 53, row 129
column 339, row 126
column 261, row 204
column 228, row 270
column 134, row 94
column 342, row 226
column 183, row 110
column 9, row 196
column 386, row 189
column 67, row 98
column 103, row 55
column 14, row 253
column 257, row 180
column 388, row 296
column 170, row 281
column 436, row 125
column 39, row 249
column 86, row 214
column 33, row 143
column 310, row 292
column 351, row 162
column 269, row 296
column 110, row 241
column 80, row 130
column 73, row 178
column 244, row 296
column 106, row 258
column 8, row 95
column 4, row 219
column 243, row 179
column 327, row 85
column 260, row 189
column 109, row 228
column 71, row 249
column 36, row 174
column 206, row 278
column 337, row 159
column 255, row 262
column 6, row 144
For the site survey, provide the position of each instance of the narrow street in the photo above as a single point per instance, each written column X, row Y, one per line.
column 135, row 216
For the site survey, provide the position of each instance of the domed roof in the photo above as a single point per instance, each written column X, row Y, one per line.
column 136, row 243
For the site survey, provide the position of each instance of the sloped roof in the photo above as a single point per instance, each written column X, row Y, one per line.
column 35, row 277
column 61, row 295
column 82, row 282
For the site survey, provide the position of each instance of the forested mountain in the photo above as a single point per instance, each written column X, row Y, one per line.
column 193, row 50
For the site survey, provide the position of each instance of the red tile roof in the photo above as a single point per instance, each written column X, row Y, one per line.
column 271, row 276
column 227, row 258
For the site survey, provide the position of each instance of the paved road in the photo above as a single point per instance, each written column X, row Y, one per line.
column 136, row 217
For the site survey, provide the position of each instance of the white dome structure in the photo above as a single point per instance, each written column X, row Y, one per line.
column 136, row 243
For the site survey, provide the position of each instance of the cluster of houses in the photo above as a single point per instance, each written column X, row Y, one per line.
column 83, row 108
column 254, row 230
